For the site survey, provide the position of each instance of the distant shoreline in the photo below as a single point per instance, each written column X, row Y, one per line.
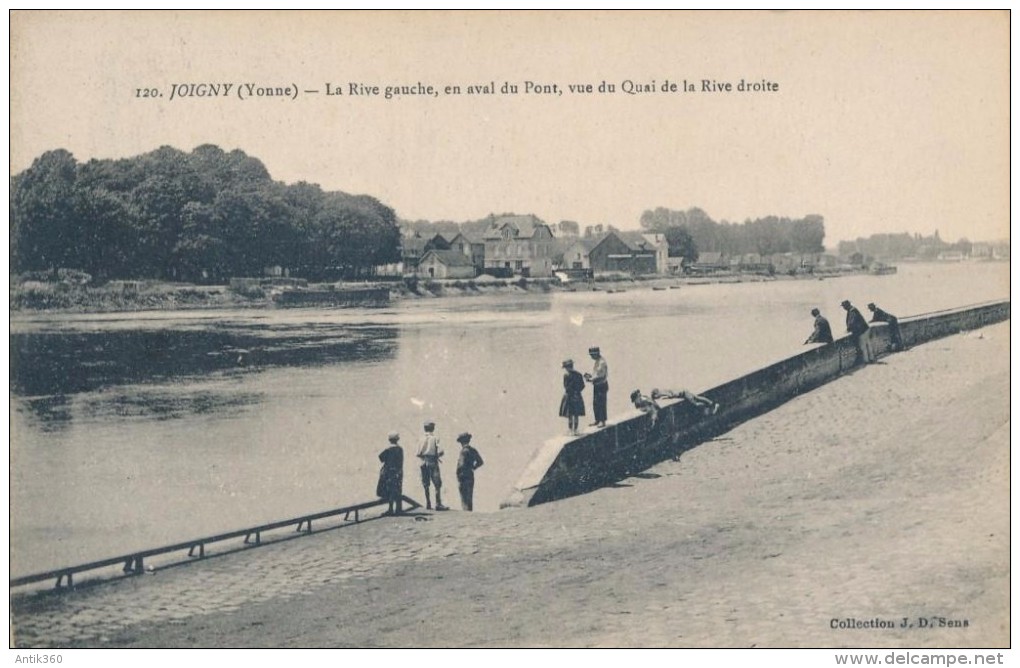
column 39, row 297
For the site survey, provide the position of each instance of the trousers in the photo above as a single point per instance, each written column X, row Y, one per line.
column 466, row 486
column 864, row 347
column 599, row 392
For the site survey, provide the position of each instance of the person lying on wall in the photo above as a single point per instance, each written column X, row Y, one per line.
column 707, row 406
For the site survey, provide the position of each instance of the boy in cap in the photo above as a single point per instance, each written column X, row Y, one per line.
column 430, row 453
column 468, row 461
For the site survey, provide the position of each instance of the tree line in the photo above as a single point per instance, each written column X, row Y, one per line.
column 903, row 245
column 200, row 216
column 693, row 231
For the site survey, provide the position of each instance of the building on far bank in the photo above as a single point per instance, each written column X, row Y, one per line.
column 612, row 253
column 437, row 242
column 989, row 250
column 521, row 244
column 446, row 264
column 709, row 262
column 749, row 262
column 411, row 249
column 577, row 254
column 471, row 248
column 644, row 242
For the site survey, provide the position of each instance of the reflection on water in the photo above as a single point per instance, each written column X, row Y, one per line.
column 167, row 406
column 46, row 366
column 135, row 430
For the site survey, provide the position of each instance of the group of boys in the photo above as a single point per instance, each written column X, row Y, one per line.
column 430, row 453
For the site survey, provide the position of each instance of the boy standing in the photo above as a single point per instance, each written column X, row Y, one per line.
column 467, row 463
column 429, row 453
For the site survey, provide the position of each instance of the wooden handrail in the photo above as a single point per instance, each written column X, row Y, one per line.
column 134, row 561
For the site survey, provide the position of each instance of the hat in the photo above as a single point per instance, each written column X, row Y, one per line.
column 568, row 364
column 594, row 350
column 815, row 311
column 430, row 423
column 393, row 436
column 464, row 437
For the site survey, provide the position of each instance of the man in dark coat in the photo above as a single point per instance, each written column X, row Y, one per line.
column 878, row 315
column 391, row 475
column 858, row 326
column 823, row 332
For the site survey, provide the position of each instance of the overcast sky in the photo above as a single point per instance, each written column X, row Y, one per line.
column 882, row 122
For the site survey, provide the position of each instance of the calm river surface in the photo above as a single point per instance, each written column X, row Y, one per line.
column 135, row 430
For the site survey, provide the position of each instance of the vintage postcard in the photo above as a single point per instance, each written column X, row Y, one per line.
column 443, row 329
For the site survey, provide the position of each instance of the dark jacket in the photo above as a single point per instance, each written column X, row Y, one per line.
column 878, row 315
column 855, row 322
column 468, row 461
column 573, row 382
column 822, row 333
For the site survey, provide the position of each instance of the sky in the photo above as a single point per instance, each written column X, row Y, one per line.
column 882, row 122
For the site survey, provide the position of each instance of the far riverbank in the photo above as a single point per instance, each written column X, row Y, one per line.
column 150, row 295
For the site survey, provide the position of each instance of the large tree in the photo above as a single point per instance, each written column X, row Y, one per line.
column 204, row 215
column 681, row 243
column 44, row 234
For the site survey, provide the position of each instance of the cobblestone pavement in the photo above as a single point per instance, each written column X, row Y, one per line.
column 93, row 613
column 882, row 494
column 223, row 583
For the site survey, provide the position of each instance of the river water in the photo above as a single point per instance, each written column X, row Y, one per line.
column 136, row 430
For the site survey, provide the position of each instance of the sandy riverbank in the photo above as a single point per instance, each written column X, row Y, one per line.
column 883, row 495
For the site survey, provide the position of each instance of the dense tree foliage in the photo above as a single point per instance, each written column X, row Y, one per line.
column 766, row 236
column 681, row 243
column 905, row 245
column 204, row 215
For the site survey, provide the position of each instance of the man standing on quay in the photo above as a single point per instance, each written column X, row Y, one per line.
column 599, row 379
column 858, row 326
